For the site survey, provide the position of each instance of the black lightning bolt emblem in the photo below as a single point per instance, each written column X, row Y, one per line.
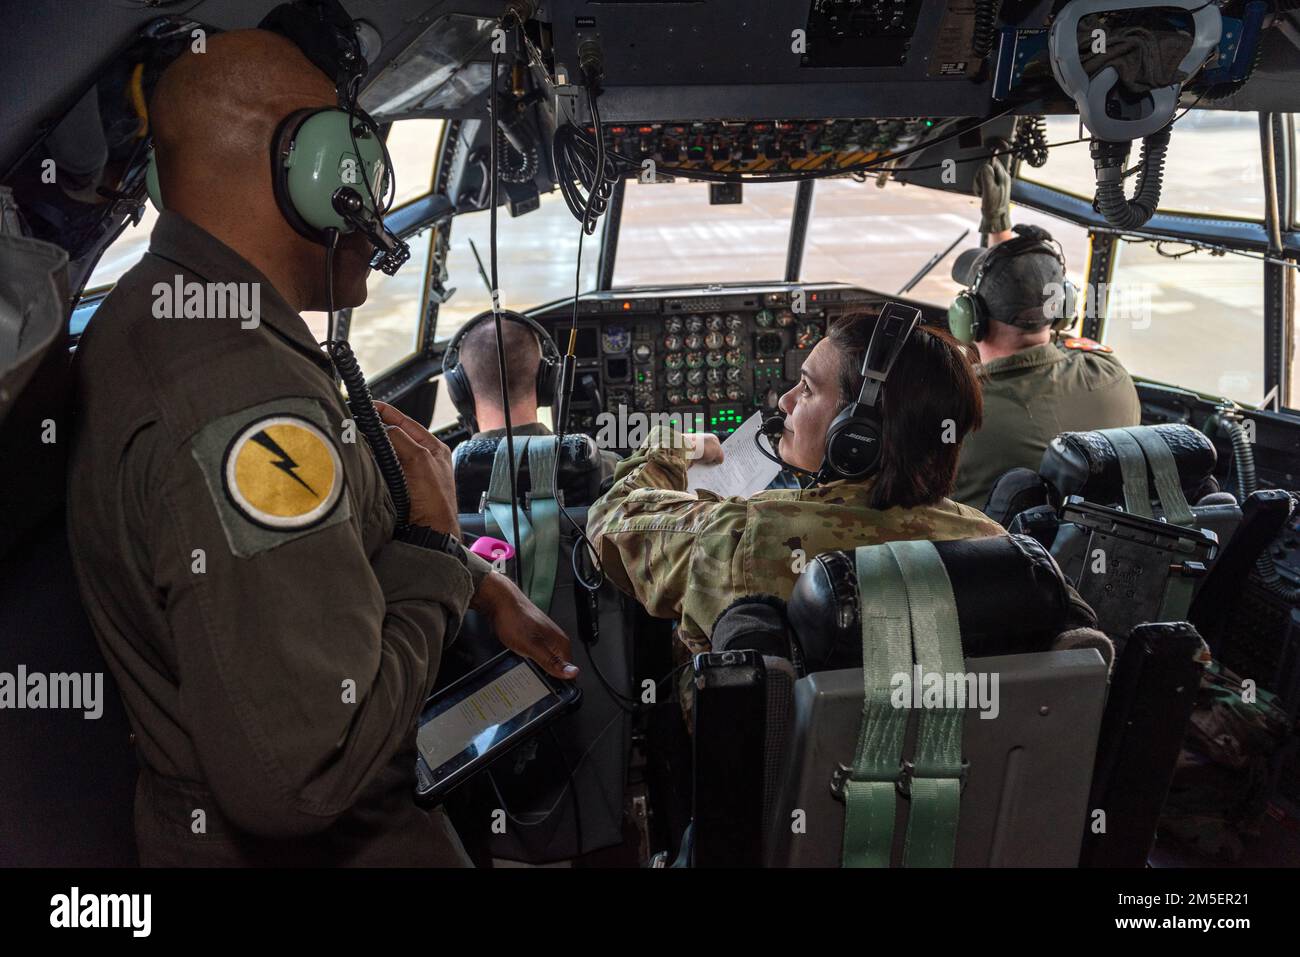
column 284, row 462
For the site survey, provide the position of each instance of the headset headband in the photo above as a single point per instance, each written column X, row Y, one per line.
column 893, row 329
column 1029, row 239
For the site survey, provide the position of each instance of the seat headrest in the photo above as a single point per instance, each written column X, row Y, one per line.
column 579, row 476
column 1086, row 464
column 1011, row 598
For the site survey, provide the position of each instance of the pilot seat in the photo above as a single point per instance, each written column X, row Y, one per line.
column 792, row 770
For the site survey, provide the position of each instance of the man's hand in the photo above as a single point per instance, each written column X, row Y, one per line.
column 427, row 464
column 993, row 186
column 703, row 447
column 521, row 626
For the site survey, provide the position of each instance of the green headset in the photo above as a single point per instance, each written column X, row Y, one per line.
column 329, row 170
column 969, row 314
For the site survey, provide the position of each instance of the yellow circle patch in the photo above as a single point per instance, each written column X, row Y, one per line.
column 283, row 472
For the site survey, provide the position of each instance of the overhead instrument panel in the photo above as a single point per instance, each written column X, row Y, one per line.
column 765, row 145
column 860, row 32
column 716, row 355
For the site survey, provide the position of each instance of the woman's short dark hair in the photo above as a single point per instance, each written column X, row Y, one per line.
column 930, row 403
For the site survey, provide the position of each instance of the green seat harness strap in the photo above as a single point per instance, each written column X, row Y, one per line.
column 544, row 516
column 499, row 521
column 1132, row 470
column 869, row 789
column 936, row 774
column 1169, row 489
column 908, row 614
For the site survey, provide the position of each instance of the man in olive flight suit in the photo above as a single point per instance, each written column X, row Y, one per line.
column 273, row 634
column 1036, row 385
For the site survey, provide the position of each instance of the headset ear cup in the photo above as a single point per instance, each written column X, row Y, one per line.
column 963, row 318
column 854, row 444
column 281, row 144
column 1069, row 307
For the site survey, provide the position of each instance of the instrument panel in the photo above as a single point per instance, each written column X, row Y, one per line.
column 715, row 355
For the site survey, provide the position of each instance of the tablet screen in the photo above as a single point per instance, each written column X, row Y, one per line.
column 455, row 729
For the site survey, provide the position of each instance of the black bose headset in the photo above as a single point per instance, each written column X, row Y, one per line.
column 854, row 441
column 461, row 392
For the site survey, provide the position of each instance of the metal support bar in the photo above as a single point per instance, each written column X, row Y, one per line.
column 1101, row 263
column 609, row 238
column 803, row 203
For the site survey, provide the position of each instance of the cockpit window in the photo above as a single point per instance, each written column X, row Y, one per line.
column 125, row 251
column 412, row 145
column 536, row 253
column 386, row 328
column 671, row 234
column 880, row 238
column 1189, row 318
column 1212, row 167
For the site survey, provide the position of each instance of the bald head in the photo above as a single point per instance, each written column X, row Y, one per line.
column 213, row 116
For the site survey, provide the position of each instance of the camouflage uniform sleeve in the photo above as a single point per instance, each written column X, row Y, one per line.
column 653, row 537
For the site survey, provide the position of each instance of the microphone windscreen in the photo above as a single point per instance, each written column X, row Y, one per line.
column 773, row 425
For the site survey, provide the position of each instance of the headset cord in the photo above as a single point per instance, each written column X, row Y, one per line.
column 361, row 403
column 494, row 133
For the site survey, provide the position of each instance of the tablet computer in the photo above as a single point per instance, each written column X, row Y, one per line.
column 469, row 724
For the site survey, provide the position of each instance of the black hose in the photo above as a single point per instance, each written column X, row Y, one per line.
column 986, row 23
column 1244, row 485
column 1108, row 160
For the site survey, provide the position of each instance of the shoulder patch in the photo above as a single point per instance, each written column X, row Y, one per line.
column 1080, row 344
column 274, row 473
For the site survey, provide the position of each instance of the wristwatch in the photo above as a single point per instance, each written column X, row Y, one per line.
column 425, row 537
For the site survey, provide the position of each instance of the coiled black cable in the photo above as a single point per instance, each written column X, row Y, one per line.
column 1108, row 160
column 986, row 24
column 1030, row 140
column 362, row 404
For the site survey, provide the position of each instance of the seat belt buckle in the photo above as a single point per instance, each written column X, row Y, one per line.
column 842, row 774
column 909, row 773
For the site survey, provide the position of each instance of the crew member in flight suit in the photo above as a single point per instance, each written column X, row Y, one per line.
column 688, row 555
column 1036, row 384
column 274, row 636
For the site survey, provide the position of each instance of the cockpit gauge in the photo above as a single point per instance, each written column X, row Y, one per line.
column 672, row 342
column 642, row 352
column 694, row 341
column 673, row 324
column 694, row 323
column 615, row 339
column 764, row 318
column 785, row 318
column 694, row 360
column 713, row 323
column 673, row 360
column 714, row 340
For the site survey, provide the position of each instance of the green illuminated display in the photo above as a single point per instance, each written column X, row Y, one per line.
column 725, row 418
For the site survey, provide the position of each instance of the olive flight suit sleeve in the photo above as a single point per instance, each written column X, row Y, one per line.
column 303, row 655
column 677, row 552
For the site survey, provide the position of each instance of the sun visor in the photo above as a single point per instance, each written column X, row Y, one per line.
column 433, row 75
